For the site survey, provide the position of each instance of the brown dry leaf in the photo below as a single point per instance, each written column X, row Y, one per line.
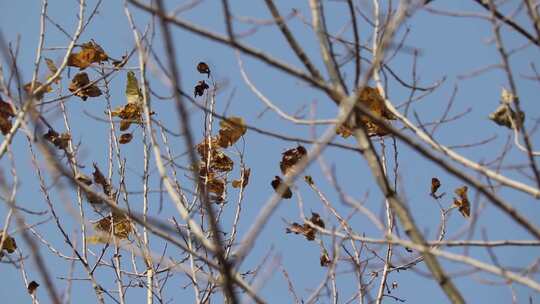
column 6, row 113
column 463, row 204
column 325, row 259
column 287, row 193
column 61, row 141
column 372, row 99
column 200, row 88
column 216, row 186
column 32, row 286
column 119, row 225
column 230, row 131
column 39, row 94
column 203, row 68
column 129, row 113
column 90, row 52
column 290, row 158
column 9, row 244
column 219, row 161
column 504, row 115
column 305, row 230
column 125, row 138
column 100, row 179
column 83, row 179
column 344, row 130
column 435, row 184
column 244, row 179
column 80, row 86
column 316, row 220
column 52, row 69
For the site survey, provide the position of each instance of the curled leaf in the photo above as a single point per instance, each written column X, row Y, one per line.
column 80, row 86
column 6, row 113
column 504, row 116
column 61, row 141
column 129, row 113
column 462, row 202
column 325, row 259
column 306, row 230
column 230, row 131
column 344, row 130
column 309, row 180
column 244, row 179
column 316, row 219
column 200, row 88
column 90, row 52
column 32, row 286
column 276, row 183
column 119, row 225
column 290, row 158
column 203, row 68
column 435, row 185
column 9, row 244
column 125, row 138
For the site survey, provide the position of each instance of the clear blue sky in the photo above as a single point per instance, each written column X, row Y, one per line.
column 449, row 47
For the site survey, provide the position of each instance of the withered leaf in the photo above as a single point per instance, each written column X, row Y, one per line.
column 119, row 225
column 435, row 185
column 61, row 141
column 216, row 186
column 344, row 130
column 219, row 161
column 316, row 219
column 372, row 99
column 230, row 131
column 100, row 179
column 325, row 259
column 463, row 204
column 287, row 193
column 6, row 113
column 9, row 244
column 306, row 230
column 80, row 86
column 129, row 113
column 125, row 138
column 90, row 52
column 32, row 286
column 504, row 115
column 133, row 92
column 200, row 88
column 203, row 68
column 290, row 158
column 244, row 179
column 39, row 94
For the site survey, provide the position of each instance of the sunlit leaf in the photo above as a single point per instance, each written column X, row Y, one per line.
column 244, row 179
column 287, row 193
column 372, row 99
column 344, row 130
column 133, row 92
column 504, row 115
column 90, row 52
column 290, row 158
column 230, row 131
column 61, row 141
column 306, row 230
column 119, row 225
column 80, row 86
column 462, row 202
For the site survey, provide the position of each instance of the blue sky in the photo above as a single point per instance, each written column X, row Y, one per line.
column 449, row 48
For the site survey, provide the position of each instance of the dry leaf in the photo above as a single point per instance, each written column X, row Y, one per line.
column 100, row 179
column 219, row 161
column 244, row 179
column 203, row 68
column 325, row 259
column 230, row 131
column 200, row 88
column 52, row 69
column 9, row 244
column 316, row 220
column 344, row 130
column 61, row 141
column 6, row 113
column 32, row 286
column 39, row 94
column 504, row 115
column 290, row 158
column 133, row 92
column 276, row 183
column 305, row 230
column 463, row 204
column 90, row 52
column 216, row 186
column 80, row 86
column 119, row 225
column 125, row 138
column 435, row 184
column 372, row 99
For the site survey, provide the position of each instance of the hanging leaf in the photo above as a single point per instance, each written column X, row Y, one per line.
column 61, row 141
column 52, row 69
column 32, row 286
column 9, row 244
column 125, row 138
column 129, row 113
column 305, row 230
column 90, row 52
column 133, row 92
column 290, row 158
column 462, row 202
column 216, row 186
column 219, row 161
column 230, row 131
column 276, row 183
column 244, row 179
column 39, row 94
column 435, row 185
column 372, row 99
column 119, row 225
column 200, row 88
column 325, row 259
column 80, row 86
column 344, row 130
column 100, row 179
column 203, row 68
column 316, row 220
column 504, row 115
column 6, row 113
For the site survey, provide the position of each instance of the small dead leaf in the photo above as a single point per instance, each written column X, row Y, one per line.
column 216, row 186
column 230, row 131
column 463, row 204
column 125, row 138
column 344, row 130
column 244, row 179
column 133, row 92
column 6, row 113
column 325, row 259
column 100, row 179
column 80, row 86
column 203, row 68
column 306, row 230
column 9, row 244
column 287, row 193
column 372, row 99
column 61, row 141
column 32, row 286
column 119, row 225
column 504, row 115
column 290, row 158
column 200, row 88
column 435, row 185
column 316, row 220
column 39, row 94
column 90, row 52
